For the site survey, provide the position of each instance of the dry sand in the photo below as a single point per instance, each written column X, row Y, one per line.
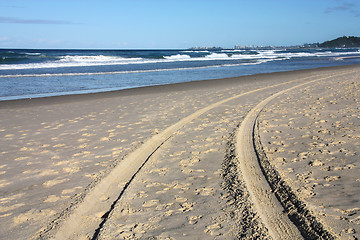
column 61, row 158
column 312, row 137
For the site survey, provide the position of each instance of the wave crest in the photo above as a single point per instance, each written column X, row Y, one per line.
column 178, row 57
column 11, row 63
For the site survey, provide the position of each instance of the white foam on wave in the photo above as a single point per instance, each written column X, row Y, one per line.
column 217, row 56
column 76, row 61
column 32, row 54
column 101, row 60
column 128, row 72
column 97, row 60
column 178, row 57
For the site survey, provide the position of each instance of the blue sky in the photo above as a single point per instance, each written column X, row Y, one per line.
column 133, row 24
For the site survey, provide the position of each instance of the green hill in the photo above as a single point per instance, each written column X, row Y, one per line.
column 342, row 42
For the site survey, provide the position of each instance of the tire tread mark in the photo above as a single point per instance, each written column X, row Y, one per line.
column 87, row 217
column 266, row 203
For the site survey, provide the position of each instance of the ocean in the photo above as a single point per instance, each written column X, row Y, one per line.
column 42, row 73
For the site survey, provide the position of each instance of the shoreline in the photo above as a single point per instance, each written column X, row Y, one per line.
column 57, row 153
column 138, row 90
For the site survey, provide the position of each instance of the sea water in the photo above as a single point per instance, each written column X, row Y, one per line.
column 42, row 73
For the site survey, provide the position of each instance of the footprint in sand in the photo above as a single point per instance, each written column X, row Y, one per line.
column 316, row 163
column 194, row 219
column 160, row 171
column 70, row 191
column 21, row 158
column 48, row 172
column 141, row 194
column 162, row 207
column 189, row 162
column 151, row 203
column 186, row 206
column 205, row 191
column 331, row 178
column 350, row 212
column 54, row 182
column 11, row 207
column 187, row 170
column 104, row 139
column 88, row 134
column 155, row 219
column 181, row 199
column 213, row 229
column 33, row 215
column 85, row 145
column 59, row 145
column 51, row 199
column 4, row 183
column 71, row 170
column 23, row 149
column 177, row 153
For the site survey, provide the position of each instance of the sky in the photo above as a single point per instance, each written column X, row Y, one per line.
column 173, row 24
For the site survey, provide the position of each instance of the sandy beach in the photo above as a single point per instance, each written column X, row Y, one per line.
column 268, row 156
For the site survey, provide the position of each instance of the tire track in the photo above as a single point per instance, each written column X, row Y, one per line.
column 87, row 219
column 267, row 205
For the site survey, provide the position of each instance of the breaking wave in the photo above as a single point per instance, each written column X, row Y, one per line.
column 11, row 60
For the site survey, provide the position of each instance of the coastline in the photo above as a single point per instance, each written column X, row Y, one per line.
column 56, row 150
column 165, row 87
column 112, row 81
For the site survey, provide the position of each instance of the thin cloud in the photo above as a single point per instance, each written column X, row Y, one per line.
column 12, row 6
column 344, row 7
column 4, row 38
column 13, row 20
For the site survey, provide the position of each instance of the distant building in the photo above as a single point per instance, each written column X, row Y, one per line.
column 206, row 48
column 238, row 47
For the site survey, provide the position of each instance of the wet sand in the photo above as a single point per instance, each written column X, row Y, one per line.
column 186, row 182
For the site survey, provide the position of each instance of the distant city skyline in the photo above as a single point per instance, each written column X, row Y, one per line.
column 175, row 24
